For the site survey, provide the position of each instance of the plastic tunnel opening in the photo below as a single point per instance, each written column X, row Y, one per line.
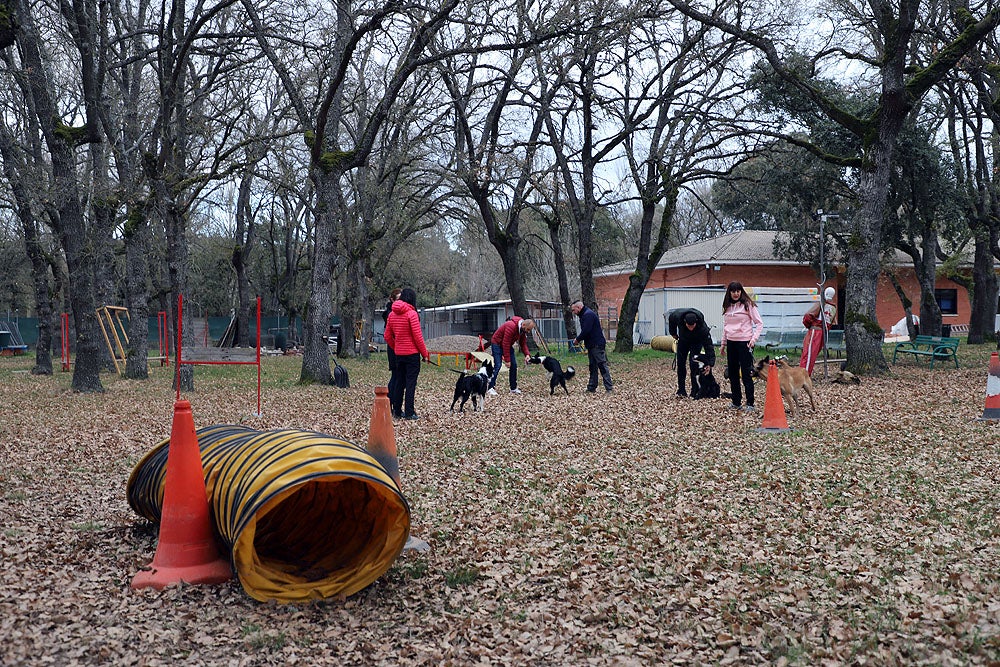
column 321, row 536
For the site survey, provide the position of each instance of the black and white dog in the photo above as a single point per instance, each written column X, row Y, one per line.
column 473, row 386
column 557, row 376
column 702, row 386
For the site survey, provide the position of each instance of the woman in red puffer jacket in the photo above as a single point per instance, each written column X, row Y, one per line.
column 403, row 335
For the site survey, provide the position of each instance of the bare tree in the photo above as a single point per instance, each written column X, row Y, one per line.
column 685, row 84
column 62, row 141
column 883, row 34
column 970, row 98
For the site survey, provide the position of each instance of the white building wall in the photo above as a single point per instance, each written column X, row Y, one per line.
column 781, row 308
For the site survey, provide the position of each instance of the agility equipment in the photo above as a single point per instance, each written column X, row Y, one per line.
column 186, row 549
column 663, row 343
column 774, row 407
column 11, row 343
column 216, row 356
column 992, row 410
column 110, row 319
column 304, row 515
column 539, row 339
column 64, row 342
column 382, row 435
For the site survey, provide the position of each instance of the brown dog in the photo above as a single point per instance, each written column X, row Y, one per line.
column 792, row 379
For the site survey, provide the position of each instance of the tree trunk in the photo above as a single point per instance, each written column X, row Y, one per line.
column 907, row 305
column 33, row 248
column 316, row 355
column 177, row 262
column 242, row 249
column 43, row 300
column 930, row 311
column 137, row 251
column 72, row 228
column 982, row 321
column 657, row 189
column 355, row 308
column 862, row 331
column 559, row 257
column 630, row 307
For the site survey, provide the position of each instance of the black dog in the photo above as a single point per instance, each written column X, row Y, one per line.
column 557, row 376
column 702, row 386
column 473, row 386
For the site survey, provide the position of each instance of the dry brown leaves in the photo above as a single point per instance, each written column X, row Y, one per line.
column 625, row 528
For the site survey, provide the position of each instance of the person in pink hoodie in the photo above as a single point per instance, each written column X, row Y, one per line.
column 403, row 335
column 741, row 327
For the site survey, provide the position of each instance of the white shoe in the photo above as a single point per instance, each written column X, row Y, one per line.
column 491, row 392
column 515, row 391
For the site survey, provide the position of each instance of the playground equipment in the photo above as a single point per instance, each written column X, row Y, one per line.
column 115, row 332
column 110, row 319
column 11, row 343
column 305, row 515
column 215, row 355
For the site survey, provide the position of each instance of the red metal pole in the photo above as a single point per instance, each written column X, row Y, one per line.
column 180, row 337
column 258, row 357
column 65, row 341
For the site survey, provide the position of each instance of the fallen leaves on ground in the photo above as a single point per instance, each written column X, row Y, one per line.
column 627, row 528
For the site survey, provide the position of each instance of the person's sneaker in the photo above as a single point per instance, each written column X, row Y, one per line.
column 491, row 392
column 680, row 394
column 733, row 406
column 515, row 391
column 591, row 391
column 411, row 417
column 749, row 408
column 609, row 390
column 396, row 414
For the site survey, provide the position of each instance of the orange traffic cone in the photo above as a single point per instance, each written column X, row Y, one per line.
column 774, row 407
column 382, row 435
column 382, row 447
column 186, row 550
column 992, row 410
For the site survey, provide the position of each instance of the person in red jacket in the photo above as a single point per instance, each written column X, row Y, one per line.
column 512, row 332
column 403, row 335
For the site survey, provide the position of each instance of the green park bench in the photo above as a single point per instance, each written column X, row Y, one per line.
column 835, row 342
column 932, row 347
column 789, row 341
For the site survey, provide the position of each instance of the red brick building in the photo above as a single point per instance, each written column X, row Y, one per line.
column 748, row 257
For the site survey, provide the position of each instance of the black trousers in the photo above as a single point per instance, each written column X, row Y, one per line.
column 404, row 383
column 739, row 356
column 683, row 348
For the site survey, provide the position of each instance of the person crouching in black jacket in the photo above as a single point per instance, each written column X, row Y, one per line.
column 688, row 327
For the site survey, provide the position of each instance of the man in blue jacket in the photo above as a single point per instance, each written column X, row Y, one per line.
column 593, row 337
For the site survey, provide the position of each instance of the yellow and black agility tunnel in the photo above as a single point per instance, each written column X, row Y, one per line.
column 304, row 515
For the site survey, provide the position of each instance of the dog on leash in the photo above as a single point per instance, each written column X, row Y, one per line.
column 557, row 376
column 703, row 385
column 792, row 379
column 473, row 386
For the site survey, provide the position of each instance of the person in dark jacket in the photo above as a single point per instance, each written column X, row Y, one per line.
column 403, row 335
column 592, row 337
column 692, row 335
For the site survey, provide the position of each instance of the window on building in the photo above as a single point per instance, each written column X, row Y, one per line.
column 947, row 300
